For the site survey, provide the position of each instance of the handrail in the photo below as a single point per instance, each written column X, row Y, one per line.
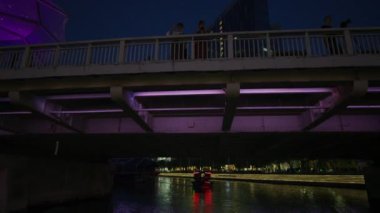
column 257, row 44
column 324, row 30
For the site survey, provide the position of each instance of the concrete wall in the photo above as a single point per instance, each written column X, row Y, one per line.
column 354, row 181
column 372, row 177
column 36, row 181
column 3, row 190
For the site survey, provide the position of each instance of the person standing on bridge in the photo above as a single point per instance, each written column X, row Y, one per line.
column 176, row 29
column 345, row 23
column 178, row 50
column 327, row 22
column 200, row 45
column 330, row 40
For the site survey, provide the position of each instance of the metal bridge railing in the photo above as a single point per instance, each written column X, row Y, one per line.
column 366, row 44
column 255, row 45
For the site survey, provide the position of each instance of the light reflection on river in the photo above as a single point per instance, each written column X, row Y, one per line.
column 177, row 195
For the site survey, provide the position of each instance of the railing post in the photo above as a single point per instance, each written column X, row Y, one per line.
column 269, row 48
column 230, row 47
column 156, row 50
column 308, row 44
column 25, row 58
column 348, row 40
column 192, row 48
column 56, row 56
column 89, row 54
column 121, row 52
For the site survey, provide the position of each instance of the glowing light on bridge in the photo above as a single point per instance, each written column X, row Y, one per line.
column 285, row 91
column 242, row 91
column 96, row 111
column 374, row 90
column 79, row 96
column 180, row 93
column 91, row 111
column 364, row 107
column 16, row 113
column 195, row 93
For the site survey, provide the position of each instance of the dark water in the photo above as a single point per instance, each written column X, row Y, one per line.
column 177, row 195
column 168, row 195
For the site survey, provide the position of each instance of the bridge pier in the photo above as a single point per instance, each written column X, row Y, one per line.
column 3, row 190
column 372, row 182
column 26, row 182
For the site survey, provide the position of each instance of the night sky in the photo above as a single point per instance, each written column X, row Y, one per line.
column 96, row 19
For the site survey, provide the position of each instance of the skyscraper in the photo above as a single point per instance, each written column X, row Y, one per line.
column 31, row 22
column 243, row 15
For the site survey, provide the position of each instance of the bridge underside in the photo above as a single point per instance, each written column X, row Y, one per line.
column 262, row 114
column 322, row 100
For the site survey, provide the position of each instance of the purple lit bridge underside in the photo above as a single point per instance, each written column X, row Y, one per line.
column 203, row 111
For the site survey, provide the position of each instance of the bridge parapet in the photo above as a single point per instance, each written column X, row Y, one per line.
column 261, row 45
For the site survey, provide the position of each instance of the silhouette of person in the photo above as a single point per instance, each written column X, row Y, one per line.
column 327, row 22
column 200, row 45
column 345, row 23
column 201, row 27
column 177, row 29
column 178, row 50
column 330, row 41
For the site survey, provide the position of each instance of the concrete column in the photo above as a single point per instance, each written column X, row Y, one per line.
column 122, row 52
column 156, row 50
column 348, row 40
column 88, row 54
column 3, row 190
column 230, row 46
column 232, row 98
column 25, row 58
column 308, row 44
column 372, row 182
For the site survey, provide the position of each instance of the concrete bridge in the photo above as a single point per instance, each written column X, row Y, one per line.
column 301, row 82
column 273, row 94
column 275, row 81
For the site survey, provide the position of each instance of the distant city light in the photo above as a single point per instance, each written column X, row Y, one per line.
column 165, row 159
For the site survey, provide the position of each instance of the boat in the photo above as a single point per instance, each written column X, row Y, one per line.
column 202, row 181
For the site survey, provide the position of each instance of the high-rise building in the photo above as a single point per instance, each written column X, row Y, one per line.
column 243, row 15
column 31, row 22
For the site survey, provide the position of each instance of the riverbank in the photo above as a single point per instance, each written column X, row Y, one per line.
column 343, row 181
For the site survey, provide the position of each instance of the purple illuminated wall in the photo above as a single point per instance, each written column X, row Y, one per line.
column 31, row 22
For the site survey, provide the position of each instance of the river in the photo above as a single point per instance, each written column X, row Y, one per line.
column 172, row 195
column 177, row 195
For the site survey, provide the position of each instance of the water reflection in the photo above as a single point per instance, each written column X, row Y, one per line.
column 177, row 195
column 202, row 202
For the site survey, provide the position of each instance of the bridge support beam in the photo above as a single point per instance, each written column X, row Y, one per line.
column 328, row 107
column 232, row 97
column 43, row 108
column 129, row 104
